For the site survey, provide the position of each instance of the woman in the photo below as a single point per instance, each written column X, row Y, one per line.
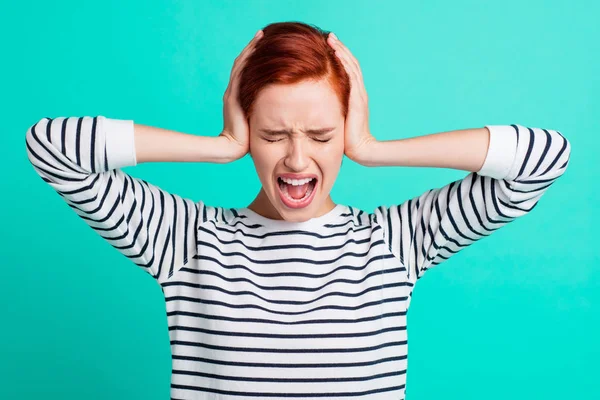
column 294, row 295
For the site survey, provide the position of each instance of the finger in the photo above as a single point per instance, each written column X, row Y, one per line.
column 235, row 77
column 351, row 66
column 348, row 53
column 241, row 58
column 338, row 45
column 248, row 49
column 238, row 65
column 250, row 46
column 350, row 69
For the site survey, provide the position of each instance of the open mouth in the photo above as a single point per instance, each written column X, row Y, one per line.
column 297, row 193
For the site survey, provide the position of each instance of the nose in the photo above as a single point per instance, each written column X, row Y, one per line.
column 297, row 156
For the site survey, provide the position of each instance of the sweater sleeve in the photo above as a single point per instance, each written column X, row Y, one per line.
column 81, row 157
column 520, row 165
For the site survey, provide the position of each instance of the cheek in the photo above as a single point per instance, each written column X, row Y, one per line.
column 334, row 152
column 329, row 160
column 265, row 159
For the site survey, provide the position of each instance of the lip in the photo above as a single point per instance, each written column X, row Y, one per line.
column 286, row 201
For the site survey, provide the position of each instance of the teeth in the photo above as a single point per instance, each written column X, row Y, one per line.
column 296, row 182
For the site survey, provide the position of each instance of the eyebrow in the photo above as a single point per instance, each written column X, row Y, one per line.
column 284, row 131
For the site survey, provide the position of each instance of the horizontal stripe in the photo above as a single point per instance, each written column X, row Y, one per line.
column 327, row 307
column 294, row 366
column 285, row 394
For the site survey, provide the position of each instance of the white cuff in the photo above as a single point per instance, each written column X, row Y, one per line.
column 502, row 151
column 120, row 142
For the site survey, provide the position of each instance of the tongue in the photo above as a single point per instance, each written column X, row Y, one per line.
column 297, row 192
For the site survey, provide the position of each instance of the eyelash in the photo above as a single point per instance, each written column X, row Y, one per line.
column 321, row 141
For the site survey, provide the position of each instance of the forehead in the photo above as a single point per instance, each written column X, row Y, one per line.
column 306, row 102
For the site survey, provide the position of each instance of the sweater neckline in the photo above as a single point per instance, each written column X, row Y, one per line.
column 338, row 210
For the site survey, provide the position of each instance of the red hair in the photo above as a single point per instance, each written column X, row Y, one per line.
column 290, row 52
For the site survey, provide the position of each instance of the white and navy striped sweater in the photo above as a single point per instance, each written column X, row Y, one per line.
column 259, row 308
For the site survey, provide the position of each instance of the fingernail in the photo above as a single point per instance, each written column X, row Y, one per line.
column 258, row 33
column 333, row 34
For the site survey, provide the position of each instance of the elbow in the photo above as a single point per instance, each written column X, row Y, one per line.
column 35, row 129
column 564, row 155
column 34, row 140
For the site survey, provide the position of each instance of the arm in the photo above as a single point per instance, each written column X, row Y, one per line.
column 81, row 157
column 163, row 145
column 511, row 168
column 463, row 149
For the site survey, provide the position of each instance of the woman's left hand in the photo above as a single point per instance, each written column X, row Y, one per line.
column 357, row 136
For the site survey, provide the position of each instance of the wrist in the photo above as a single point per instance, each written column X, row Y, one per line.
column 366, row 155
column 230, row 150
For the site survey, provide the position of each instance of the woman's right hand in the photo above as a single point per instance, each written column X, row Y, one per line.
column 235, row 125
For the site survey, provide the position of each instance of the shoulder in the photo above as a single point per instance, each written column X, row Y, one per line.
column 220, row 215
column 355, row 216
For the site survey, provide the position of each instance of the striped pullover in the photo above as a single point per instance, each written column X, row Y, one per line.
column 270, row 309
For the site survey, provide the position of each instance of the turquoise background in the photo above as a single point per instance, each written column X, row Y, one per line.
column 515, row 316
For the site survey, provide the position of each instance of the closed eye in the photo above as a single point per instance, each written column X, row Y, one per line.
column 315, row 139
column 279, row 132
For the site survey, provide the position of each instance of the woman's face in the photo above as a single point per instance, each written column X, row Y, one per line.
column 302, row 153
